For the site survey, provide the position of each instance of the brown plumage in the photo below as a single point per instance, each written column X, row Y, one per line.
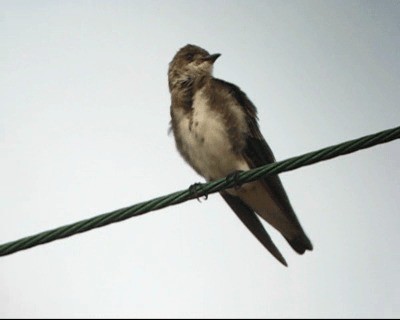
column 216, row 131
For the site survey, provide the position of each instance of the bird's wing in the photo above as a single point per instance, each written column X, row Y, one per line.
column 258, row 153
column 251, row 221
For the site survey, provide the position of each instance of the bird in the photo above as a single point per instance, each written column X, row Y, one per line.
column 216, row 131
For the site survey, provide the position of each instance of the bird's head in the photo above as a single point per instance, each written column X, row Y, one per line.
column 190, row 63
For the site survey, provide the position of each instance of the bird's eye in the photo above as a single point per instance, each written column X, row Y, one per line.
column 190, row 56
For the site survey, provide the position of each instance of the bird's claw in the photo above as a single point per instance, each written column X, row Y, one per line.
column 194, row 188
column 233, row 177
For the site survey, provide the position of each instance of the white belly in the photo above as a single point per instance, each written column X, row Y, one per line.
column 207, row 143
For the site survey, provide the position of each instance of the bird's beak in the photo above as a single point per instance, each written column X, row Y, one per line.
column 212, row 57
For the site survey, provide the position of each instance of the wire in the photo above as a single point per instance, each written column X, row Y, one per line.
column 201, row 190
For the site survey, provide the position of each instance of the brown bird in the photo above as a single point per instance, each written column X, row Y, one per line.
column 215, row 126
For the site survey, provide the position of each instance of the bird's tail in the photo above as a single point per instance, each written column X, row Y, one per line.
column 251, row 221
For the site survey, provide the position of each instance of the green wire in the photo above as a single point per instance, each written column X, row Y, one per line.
column 202, row 190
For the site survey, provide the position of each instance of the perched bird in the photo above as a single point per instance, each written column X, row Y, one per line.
column 216, row 131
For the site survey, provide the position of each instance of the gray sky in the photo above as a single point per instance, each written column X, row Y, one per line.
column 84, row 112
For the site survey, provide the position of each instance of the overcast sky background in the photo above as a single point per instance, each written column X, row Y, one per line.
column 84, row 113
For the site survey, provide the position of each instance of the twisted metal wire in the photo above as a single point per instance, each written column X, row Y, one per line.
column 201, row 190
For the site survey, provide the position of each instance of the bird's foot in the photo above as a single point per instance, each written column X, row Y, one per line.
column 194, row 190
column 233, row 177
